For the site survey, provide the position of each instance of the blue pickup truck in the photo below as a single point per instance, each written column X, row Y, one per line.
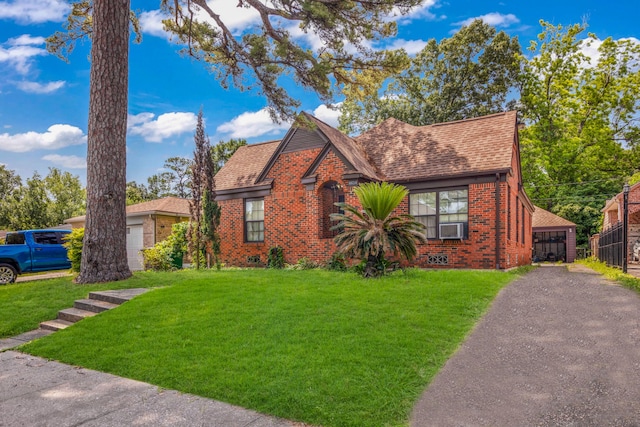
column 32, row 250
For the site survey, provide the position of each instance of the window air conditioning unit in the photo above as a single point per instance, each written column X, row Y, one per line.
column 452, row 231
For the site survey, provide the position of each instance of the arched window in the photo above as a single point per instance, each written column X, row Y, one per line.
column 330, row 193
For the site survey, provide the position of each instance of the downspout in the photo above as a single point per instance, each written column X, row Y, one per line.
column 155, row 232
column 498, row 221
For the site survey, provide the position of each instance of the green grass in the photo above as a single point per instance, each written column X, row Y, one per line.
column 612, row 273
column 325, row 348
column 24, row 305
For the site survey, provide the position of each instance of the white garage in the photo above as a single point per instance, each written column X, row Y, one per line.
column 147, row 224
column 135, row 243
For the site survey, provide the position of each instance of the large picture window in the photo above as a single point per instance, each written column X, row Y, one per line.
column 254, row 220
column 440, row 207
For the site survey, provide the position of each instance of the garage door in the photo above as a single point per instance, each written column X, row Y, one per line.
column 134, row 245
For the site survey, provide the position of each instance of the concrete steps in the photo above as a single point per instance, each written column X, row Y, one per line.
column 95, row 304
column 55, row 325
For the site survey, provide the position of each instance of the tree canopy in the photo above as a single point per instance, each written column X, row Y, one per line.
column 467, row 75
column 257, row 57
column 582, row 128
column 42, row 202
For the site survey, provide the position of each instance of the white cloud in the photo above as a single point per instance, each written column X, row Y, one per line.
column 420, row 12
column 19, row 51
column 310, row 37
column 410, row 46
column 494, row 19
column 25, row 40
column 251, row 124
column 69, row 162
column 589, row 48
column 329, row 115
column 237, row 19
column 35, row 87
column 165, row 126
column 34, row 11
column 57, row 136
column 151, row 23
column 133, row 120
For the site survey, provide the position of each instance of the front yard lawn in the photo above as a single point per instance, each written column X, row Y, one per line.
column 324, row 348
column 24, row 305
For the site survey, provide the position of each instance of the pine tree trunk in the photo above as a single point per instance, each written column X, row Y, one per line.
column 104, row 253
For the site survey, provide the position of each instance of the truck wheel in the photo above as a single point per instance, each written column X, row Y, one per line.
column 8, row 274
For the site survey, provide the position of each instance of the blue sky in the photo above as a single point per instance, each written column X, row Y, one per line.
column 44, row 101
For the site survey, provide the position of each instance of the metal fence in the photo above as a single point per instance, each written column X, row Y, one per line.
column 611, row 245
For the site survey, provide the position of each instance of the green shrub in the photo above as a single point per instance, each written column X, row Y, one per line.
column 158, row 258
column 338, row 262
column 381, row 266
column 167, row 254
column 304, row 264
column 275, row 257
column 73, row 243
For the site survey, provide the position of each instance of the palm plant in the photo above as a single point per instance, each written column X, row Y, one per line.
column 372, row 232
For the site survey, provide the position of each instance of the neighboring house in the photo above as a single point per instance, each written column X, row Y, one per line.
column 613, row 213
column 464, row 181
column 554, row 238
column 147, row 223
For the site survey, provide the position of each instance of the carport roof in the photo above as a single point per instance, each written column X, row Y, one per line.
column 543, row 218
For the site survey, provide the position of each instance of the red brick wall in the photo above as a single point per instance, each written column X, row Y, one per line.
column 292, row 221
column 478, row 251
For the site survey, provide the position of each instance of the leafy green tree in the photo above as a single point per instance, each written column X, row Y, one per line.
column 588, row 220
column 373, row 231
column 264, row 53
column 176, row 181
column 581, row 131
column 467, row 75
column 223, row 150
column 180, row 169
column 160, row 185
column 136, row 193
column 31, row 208
column 10, row 184
column 66, row 195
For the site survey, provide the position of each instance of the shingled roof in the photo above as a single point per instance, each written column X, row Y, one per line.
column 396, row 151
column 244, row 167
column 349, row 148
column 543, row 218
column 169, row 205
column 402, row 152
column 173, row 206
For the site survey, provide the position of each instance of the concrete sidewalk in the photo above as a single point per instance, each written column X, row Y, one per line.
column 45, row 276
column 37, row 392
column 557, row 348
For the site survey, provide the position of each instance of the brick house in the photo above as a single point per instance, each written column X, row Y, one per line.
column 464, row 181
column 147, row 224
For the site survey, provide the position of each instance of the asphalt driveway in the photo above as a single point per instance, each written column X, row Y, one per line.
column 557, row 348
